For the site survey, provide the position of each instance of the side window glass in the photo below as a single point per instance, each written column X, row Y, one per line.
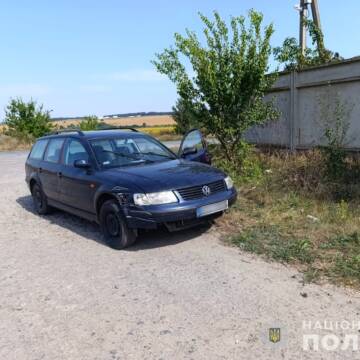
column 125, row 146
column 74, row 150
column 53, row 151
column 193, row 139
column 103, row 151
column 147, row 146
column 38, row 149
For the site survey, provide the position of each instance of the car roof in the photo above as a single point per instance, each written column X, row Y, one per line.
column 96, row 134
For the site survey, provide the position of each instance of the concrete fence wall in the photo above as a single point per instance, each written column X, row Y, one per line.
column 307, row 101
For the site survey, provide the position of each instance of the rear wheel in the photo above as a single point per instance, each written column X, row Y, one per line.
column 40, row 200
column 114, row 228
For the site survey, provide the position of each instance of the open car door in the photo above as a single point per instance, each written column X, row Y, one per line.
column 194, row 148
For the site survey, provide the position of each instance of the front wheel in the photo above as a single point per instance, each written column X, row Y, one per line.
column 114, row 228
column 40, row 200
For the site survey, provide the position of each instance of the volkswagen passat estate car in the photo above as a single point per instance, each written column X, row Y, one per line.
column 126, row 180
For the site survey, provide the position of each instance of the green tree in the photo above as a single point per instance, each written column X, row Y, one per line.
column 26, row 120
column 184, row 117
column 226, row 91
column 291, row 56
column 90, row 122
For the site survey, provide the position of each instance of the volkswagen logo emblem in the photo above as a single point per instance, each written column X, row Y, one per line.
column 206, row 190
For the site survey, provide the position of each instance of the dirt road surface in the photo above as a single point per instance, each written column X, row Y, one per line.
column 64, row 295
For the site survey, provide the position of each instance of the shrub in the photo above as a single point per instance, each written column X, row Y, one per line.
column 89, row 123
column 26, row 120
column 335, row 119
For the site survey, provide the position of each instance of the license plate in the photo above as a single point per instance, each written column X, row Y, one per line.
column 212, row 208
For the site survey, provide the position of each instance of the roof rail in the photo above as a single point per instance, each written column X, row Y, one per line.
column 57, row 132
column 118, row 128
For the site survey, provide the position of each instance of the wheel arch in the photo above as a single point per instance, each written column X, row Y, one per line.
column 101, row 199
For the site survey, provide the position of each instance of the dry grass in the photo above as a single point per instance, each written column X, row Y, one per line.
column 8, row 143
column 289, row 212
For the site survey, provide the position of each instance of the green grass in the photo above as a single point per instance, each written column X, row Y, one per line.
column 278, row 245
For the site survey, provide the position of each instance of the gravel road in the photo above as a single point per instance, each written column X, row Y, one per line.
column 64, row 295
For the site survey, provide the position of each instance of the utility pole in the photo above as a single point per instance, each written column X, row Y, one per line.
column 316, row 17
column 303, row 8
column 303, row 32
column 316, row 13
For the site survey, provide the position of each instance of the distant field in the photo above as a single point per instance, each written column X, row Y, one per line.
column 149, row 121
column 160, row 126
column 128, row 121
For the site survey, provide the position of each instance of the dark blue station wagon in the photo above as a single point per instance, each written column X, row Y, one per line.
column 126, row 180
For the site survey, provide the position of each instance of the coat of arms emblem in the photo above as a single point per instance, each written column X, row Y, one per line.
column 274, row 335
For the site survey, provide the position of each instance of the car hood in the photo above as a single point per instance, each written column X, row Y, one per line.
column 166, row 175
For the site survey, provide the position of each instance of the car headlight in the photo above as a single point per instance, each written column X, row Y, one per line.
column 229, row 183
column 158, row 198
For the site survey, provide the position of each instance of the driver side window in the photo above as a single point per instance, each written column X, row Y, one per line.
column 193, row 139
column 74, row 150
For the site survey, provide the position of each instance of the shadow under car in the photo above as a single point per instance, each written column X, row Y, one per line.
column 146, row 239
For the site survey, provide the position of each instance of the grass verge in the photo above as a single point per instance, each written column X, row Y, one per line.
column 290, row 212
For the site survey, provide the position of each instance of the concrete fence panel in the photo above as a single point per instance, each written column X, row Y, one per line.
column 308, row 101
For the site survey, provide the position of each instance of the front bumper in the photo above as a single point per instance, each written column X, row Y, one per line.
column 149, row 217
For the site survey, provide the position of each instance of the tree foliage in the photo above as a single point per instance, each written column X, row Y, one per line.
column 291, row 56
column 26, row 120
column 229, row 80
column 184, row 116
column 90, row 122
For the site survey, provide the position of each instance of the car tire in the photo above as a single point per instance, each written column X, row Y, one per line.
column 116, row 233
column 40, row 200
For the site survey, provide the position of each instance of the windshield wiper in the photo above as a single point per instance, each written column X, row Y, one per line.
column 162, row 155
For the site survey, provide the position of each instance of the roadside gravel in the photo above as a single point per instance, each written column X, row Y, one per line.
column 64, row 295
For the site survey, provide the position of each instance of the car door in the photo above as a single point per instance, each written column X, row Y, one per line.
column 76, row 185
column 194, row 148
column 35, row 159
column 50, row 168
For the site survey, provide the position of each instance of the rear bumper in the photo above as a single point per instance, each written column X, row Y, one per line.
column 151, row 216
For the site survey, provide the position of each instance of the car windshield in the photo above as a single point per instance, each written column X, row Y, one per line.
column 129, row 151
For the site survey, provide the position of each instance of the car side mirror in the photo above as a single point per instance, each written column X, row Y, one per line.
column 189, row 151
column 82, row 164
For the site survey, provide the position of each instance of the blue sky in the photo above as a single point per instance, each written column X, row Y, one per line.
column 93, row 57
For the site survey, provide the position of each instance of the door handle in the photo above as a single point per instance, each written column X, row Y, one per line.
column 59, row 174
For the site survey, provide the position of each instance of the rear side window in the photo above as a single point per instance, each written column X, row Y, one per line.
column 74, row 150
column 53, row 150
column 38, row 149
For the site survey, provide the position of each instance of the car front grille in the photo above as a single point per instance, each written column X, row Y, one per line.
column 196, row 192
